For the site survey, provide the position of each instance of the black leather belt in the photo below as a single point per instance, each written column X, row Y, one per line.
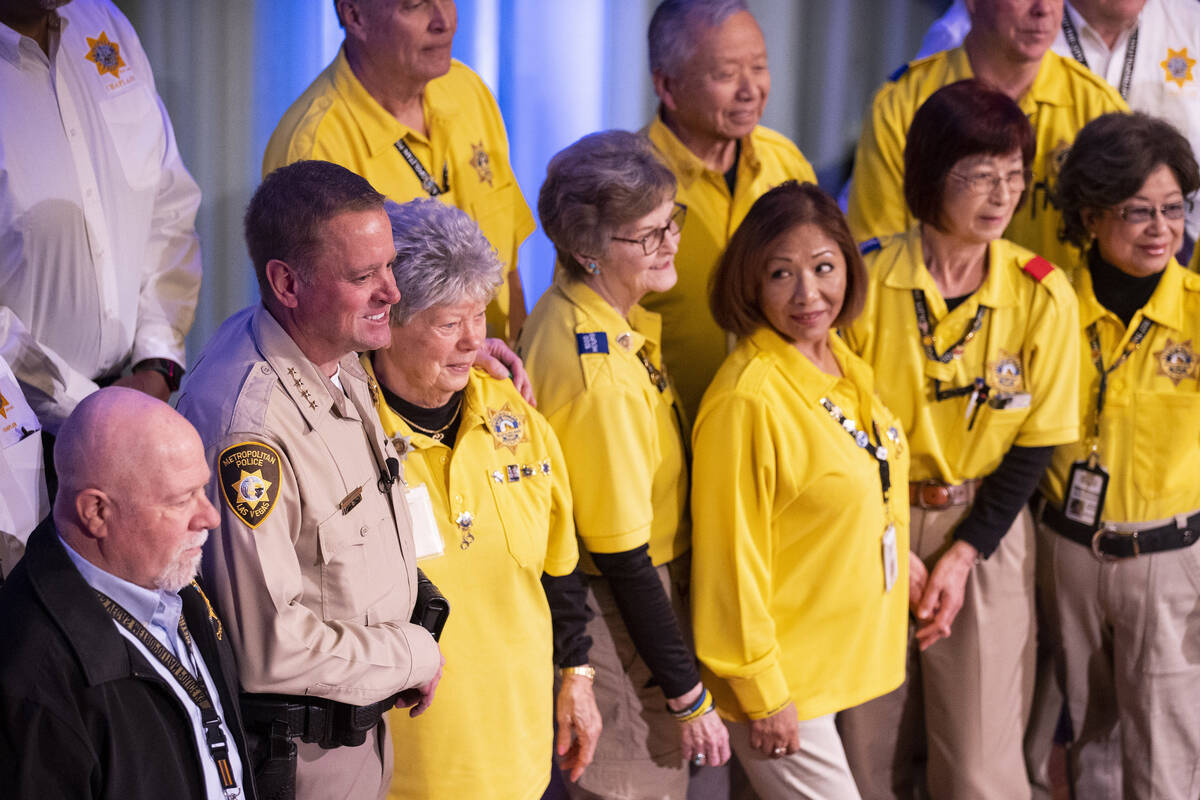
column 1109, row 545
column 316, row 720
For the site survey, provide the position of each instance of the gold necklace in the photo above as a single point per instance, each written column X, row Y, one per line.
column 440, row 433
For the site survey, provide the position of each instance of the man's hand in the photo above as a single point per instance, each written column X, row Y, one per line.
column 502, row 363
column 778, row 735
column 147, row 381
column 705, row 735
column 578, row 724
column 943, row 597
column 421, row 697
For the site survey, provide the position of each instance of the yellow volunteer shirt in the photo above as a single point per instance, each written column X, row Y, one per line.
column 1026, row 345
column 620, row 434
column 788, row 599
column 1150, row 429
column 693, row 344
column 1064, row 97
column 466, row 151
column 489, row 731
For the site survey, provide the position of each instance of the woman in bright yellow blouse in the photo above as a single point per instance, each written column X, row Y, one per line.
column 973, row 340
column 595, row 358
column 800, row 540
column 1121, row 514
column 490, row 502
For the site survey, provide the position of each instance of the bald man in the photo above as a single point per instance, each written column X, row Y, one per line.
column 115, row 674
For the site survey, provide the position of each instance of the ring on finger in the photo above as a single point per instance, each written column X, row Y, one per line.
column 699, row 759
column 779, row 752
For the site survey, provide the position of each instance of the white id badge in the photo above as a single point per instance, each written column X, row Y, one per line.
column 426, row 537
column 891, row 565
column 17, row 420
column 1086, row 487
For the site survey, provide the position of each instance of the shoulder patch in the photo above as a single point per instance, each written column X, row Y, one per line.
column 596, row 342
column 869, row 246
column 899, row 73
column 1038, row 268
column 250, row 480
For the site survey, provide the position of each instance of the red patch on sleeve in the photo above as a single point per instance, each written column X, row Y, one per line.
column 1038, row 268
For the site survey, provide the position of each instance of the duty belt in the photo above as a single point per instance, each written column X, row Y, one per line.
column 315, row 720
column 1109, row 543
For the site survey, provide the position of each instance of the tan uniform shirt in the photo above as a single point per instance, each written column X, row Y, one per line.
column 313, row 567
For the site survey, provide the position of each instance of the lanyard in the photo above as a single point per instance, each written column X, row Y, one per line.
column 875, row 449
column 194, row 686
column 427, row 182
column 659, row 378
column 1072, row 37
column 1098, row 359
column 953, row 351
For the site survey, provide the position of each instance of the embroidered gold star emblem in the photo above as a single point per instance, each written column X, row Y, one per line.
column 508, row 428
column 5, row 406
column 481, row 163
column 106, row 55
column 1178, row 66
column 1005, row 373
column 1177, row 361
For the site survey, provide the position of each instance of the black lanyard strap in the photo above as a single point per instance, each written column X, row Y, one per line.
column 1134, row 342
column 921, row 307
column 427, row 182
column 193, row 685
column 658, row 377
column 1072, row 37
column 875, row 449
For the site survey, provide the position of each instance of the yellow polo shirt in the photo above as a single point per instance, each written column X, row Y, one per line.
column 693, row 344
column 489, row 731
column 621, row 436
column 337, row 120
column 1027, row 345
column 1150, row 429
column 1064, row 97
column 788, row 600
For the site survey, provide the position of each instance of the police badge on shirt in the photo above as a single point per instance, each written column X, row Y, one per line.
column 250, row 480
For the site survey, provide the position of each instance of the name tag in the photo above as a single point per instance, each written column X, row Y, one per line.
column 426, row 537
column 891, row 563
column 1086, row 486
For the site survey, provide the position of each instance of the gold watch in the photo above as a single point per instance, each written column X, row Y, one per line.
column 586, row 670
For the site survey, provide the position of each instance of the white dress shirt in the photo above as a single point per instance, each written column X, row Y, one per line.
column 23, row 499
column 99, row 258
column 159, row 612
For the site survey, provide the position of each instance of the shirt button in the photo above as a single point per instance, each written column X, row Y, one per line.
column 443, row 459
column 1118, row 386
column 458, row 499
column 362, row 531
column 265, row 369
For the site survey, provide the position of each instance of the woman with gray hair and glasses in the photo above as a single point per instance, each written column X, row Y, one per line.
column 489, row 497
column 595, row 358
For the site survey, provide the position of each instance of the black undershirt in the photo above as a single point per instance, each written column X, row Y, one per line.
column 954, row 302
column 1119, row 292
column 430, row 419
column 731, row 173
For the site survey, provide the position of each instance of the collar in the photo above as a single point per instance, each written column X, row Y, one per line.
column 683, row 162
column 1047, row 88
column 998, row 290
column 593, row 311
column 11, row 42
column 804, row 376
column 379, row 129
column 148, row 606
column 1082, row 25
column 1165, row 306
column 311, row 391
column 473, row 410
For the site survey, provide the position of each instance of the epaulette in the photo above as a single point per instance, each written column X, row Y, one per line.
column 1038, row 268
column 869, row 246
column 592, row 342
column 898, row 74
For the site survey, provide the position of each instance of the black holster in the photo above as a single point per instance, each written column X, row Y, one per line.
column 273, row 761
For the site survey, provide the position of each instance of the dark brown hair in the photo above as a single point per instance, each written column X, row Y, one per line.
column 735, row 289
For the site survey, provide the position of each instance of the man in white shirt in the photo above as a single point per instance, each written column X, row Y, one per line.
column 23, row 500
column 99, row 258
column 116, row 678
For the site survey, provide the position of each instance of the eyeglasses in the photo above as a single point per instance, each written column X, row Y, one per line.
column 984, row 183
column 654, row 239
column 1140, row 215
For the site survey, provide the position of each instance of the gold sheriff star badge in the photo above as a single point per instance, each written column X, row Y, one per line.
column 1177, row 361
column 106, row 55
column 1178, row 66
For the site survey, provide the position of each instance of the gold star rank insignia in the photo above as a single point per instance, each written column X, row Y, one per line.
column 1005, row 373
column 1178, row 66
column 508, row 428
column 5, row 406
column 250, row 480
column 1177, row 361
column 106, row 55
column 481, row 163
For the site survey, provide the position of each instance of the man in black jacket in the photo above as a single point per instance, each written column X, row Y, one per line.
column 116, row 678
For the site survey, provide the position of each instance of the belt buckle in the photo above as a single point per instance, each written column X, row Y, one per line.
column 933, row 496
column 1105, row 558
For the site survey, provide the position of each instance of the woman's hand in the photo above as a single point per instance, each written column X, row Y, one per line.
column 918, row 576
column 943, row 596
column 778, row 735
column 578, row 724
column 703, row 736
column 502, row 363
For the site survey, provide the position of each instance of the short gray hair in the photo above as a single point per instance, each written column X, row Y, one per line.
column 596, row 185
column 441, row 258
column 677, row 24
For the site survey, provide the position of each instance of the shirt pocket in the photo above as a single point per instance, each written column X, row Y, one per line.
column 135, row 124
column 524, row 509
column 1166, row 445
column 495, row 212
column 349, row 550
column 994, row 433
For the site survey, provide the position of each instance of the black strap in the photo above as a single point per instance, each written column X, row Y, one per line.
column 1072, row 37
column 193, row 685
column 1114, row 544
column 427, row 182
column 921, row 307
column 659, row 378
column 861, row 438
column 1098, row 360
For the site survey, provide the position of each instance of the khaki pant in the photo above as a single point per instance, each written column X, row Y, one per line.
column 817, row 771
column 345, row 773
column 640, row 752
column 1128, row 634
column 972, row 691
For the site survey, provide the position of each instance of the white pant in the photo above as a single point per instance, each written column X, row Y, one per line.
column 818, row 770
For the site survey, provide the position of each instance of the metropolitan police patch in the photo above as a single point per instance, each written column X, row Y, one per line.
column 250, row 480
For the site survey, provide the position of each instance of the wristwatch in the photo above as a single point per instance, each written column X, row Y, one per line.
column 586, row 670
column 163, row 366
